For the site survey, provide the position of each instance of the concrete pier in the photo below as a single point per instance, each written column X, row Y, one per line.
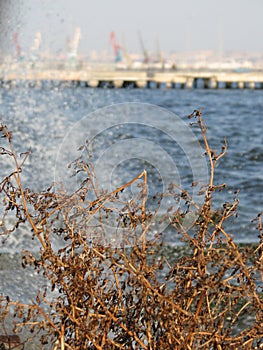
column 113, row 78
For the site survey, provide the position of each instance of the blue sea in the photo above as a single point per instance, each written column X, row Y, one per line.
column 133, row 130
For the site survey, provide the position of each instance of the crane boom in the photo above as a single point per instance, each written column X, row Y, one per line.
column 116, row 47
column 36, row 42
column 76, row 39
column 144, row 50
column 17, row 46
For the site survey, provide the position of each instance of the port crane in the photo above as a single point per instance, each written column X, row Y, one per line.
column 116, row 47
column 36, row 42
column 35, row 46
column 144, row 50
column 126, row 55
column 74, row 45
column 17, row 46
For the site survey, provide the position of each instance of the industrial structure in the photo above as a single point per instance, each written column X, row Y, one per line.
column 149, row 72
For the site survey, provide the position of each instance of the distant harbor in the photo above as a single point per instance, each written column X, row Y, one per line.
column 116, row 66
column 110, row 76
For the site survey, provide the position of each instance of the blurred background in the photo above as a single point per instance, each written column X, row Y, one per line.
column 203, row 33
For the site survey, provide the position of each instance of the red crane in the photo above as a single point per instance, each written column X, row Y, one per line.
column 116, row 47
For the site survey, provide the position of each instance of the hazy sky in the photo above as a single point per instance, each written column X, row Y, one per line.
column 228, row 25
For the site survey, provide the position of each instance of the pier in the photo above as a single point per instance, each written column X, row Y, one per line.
column 123, row 78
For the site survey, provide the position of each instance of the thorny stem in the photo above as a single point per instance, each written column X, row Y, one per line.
column 20, row 187
column 197, row 307
column 102, row 199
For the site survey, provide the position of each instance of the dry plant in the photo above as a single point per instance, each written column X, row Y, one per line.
column 103, row 296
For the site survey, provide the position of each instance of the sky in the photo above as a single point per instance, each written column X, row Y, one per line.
column 178, row 25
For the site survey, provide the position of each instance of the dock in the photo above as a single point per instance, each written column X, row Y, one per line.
column 123, row 78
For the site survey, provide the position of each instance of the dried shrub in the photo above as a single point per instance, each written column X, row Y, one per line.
column 103, row 296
